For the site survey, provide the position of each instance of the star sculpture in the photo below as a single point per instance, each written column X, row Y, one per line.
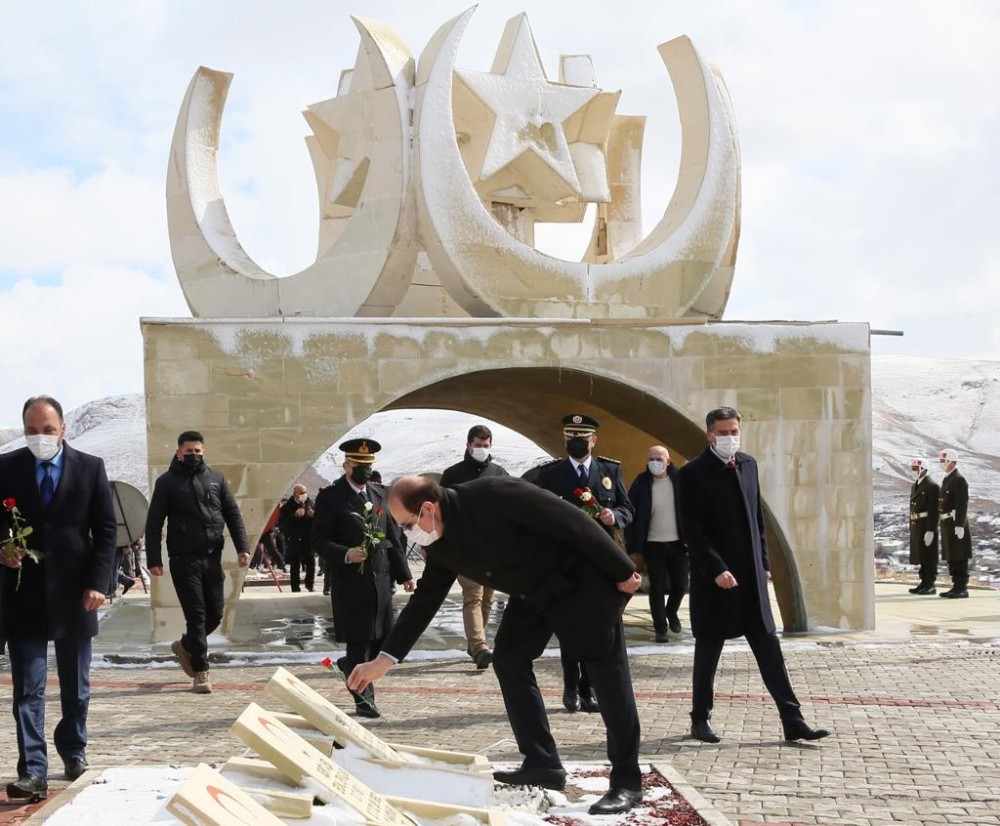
column 529, row 111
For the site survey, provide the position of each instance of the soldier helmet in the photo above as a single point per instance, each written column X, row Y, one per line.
column 948, row 455
column 918, row 463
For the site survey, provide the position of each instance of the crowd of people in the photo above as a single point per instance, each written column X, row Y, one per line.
column 565, row 543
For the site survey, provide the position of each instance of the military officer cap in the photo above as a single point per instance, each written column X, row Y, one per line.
column 949, row 454
column 579, row 424
column 919, row 463
column 361, row 451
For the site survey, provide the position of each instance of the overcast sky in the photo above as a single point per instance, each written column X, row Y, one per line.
column 869, row 131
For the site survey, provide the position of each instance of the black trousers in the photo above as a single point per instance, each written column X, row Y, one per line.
column 299, row 556
column 959, row 571
column 198, row 581
column 766, row 649
column 520, row 640
column 357, row 653
column 667, row 568
column 928, row 574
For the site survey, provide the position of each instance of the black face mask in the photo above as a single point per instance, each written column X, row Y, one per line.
column 193, row 461
column 578, row 447
column 360, row 474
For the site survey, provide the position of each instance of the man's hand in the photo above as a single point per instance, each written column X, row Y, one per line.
column 356, row 555
column 726, row 580
column 156, row 571
column 409, row 585
column 630, row 585
column 960, row 533
column 13, row 560
column 606, row 517
column 92, row 600
column 243, row 560
column 928, row 538
column 300, row 512
column 365, row 674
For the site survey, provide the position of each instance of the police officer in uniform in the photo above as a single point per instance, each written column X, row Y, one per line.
column 956, row 543
column 566, row 478
column 362, row 577
column 924, row 526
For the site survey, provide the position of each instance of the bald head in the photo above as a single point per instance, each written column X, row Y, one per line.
column 299, row 490
column 414, row 501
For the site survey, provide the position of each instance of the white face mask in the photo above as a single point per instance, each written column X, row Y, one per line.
column 480, row 454
column 418, row 536
column 727, row 445
column 917, row 472
column 301, row 497
column 657, row 467
column 43, row 445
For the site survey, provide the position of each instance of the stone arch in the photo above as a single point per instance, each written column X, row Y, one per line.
column 532, row 400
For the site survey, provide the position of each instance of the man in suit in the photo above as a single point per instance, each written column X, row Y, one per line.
column 655, row 534
column 362, row 569
column 953, row 508
column 295, row 519
column 722, row 521
column 564, row 574
column 196, row 503
column 924, row 526
column 476, row 600
column 570, row 479
column 65, row 497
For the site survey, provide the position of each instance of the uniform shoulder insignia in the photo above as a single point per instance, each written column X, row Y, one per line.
column 549, row 463
column 608, row 459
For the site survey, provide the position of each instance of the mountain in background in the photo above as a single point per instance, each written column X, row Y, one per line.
column 919, row 406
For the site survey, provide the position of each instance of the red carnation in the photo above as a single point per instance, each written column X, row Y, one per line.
column 9, row 503
column 378, row 510
column 327, row 663
column 578, row 492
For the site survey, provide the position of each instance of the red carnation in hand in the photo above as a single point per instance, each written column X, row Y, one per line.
column 378, row 510
column 327, row 663
column 9, row 503
column 578, row 492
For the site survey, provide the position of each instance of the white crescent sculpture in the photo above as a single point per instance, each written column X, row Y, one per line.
column 684, row 266
column 366, row 269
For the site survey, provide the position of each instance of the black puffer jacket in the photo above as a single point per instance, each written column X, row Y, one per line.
column 197, row 506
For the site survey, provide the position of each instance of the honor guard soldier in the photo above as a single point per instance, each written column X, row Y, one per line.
column 924, row 526
column 953, row 506
column 571, row 478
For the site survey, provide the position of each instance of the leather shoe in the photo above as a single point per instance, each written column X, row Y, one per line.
column 74, row 767
column 588, row 701
column 547, row 778
column 916, row 590
column 946, row 594
column 702, row 730
column 962, row 594
column 31, row 789
column 616, row 801
column 571, row 699
column 483, row 659
column 674, row 623
column 927, row 589
column 367, row 709
column 799, row 730
column 661, row 636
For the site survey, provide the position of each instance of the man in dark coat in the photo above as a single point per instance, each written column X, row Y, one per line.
column 64, row 497
column 924, row 526
column 361, row 569
column 573, row 478
column 722, row 520
column 295, row 519
column 654, row 533
column 564, row 574
column 476, row 600
column 956, row 541
column 197, row 505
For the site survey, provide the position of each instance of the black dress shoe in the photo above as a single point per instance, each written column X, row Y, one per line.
column 799, row 730
column 957, row 594
column 702, row 730
column 946, row 594
column 31, row 789
column 571, row 699
column 616, row 801
column 588, row 701
column 917, row 589
column 367, row 709
column 483, row 659
column 74, row 767
column 674, row 623
column 547, row 778
column 661, row 636
column 927, row 589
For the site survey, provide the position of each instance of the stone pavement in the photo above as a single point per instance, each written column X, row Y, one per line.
column 914, row 706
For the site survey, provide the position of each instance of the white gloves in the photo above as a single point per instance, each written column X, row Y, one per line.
column 928, row 538
column 960, row 533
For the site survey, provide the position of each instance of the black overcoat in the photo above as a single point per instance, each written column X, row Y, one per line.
column 361, row 592
column 722, row 522
column 953, row 505
column 517, row 538
column 76, row 533
column 923, row 518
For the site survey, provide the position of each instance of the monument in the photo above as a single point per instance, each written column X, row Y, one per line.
column 428, row 292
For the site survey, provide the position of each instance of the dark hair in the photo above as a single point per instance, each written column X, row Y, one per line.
column 42, row 400
column 720, row 414
column 479, row 431
column 413, row 491
column 376, row 477
column 189, row 436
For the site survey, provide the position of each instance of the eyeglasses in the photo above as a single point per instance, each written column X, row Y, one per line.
column 409, row 526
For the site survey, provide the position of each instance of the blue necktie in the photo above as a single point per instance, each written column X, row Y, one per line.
column 48, row 488
column 584, row 476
